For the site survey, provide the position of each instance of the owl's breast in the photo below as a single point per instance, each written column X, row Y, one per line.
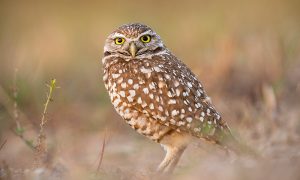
column 133, row 93
column 129, row 85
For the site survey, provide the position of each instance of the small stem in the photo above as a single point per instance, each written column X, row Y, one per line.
column 102, row 151
column 41, row 147
column 15, row 96
column 3, row 144
column 52, row 86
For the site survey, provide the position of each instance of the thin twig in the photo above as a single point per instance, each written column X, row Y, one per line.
column 28, row 142
column 15, row 96
column 102, row 151
column 18, row 130
column 51, row 87
column 3, row 144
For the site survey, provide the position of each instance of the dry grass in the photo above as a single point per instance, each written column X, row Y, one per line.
column 102, row 152
column 247, row 54
column 3, row 144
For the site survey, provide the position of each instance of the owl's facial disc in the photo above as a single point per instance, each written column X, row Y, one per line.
column 131, row 42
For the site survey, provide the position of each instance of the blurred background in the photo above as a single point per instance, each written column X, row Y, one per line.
column 246, row 53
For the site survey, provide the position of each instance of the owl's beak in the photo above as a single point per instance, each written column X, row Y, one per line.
column 132, row 49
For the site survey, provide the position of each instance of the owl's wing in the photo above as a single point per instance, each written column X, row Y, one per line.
column 172, row 95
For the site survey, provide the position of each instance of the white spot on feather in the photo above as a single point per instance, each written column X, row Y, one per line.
column 172, row 101
column 136, row 86
column 152, row 85
column 146, row 90
column 132, row 93
column 177, row 92
column 124, row 85
column 174, row 113
column 157, row 69
column 130, row 99
column 139, row 100
column 122, row 93
column 201, row 119
column 176, row 83
column 151, row 96
column 115, row 76
column 144, row 70
column 116, row 102
column 151, row 106
column 189, row 119
column 160, row 108
column 130, row 81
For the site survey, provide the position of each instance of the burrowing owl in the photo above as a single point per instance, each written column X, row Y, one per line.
column 157, row 94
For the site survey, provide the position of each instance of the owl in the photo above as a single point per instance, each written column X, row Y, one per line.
column 157, row 94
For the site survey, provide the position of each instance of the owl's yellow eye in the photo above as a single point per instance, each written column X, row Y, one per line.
column 119, row 41
column 145, row 38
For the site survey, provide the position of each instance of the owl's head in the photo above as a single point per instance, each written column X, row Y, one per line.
column 133, row 41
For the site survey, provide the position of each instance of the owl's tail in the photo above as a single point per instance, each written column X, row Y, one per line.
column 228, row 141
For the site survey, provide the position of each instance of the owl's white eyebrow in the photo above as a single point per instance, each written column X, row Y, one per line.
column 146, row 32
column 117, row 35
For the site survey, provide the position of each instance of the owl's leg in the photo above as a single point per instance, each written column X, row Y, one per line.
column 171, row 159
column 174, row 144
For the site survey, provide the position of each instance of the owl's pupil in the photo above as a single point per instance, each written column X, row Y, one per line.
column 119, row 40
column 145, row 38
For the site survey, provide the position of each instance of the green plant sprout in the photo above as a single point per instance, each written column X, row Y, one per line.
column 41, row 147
